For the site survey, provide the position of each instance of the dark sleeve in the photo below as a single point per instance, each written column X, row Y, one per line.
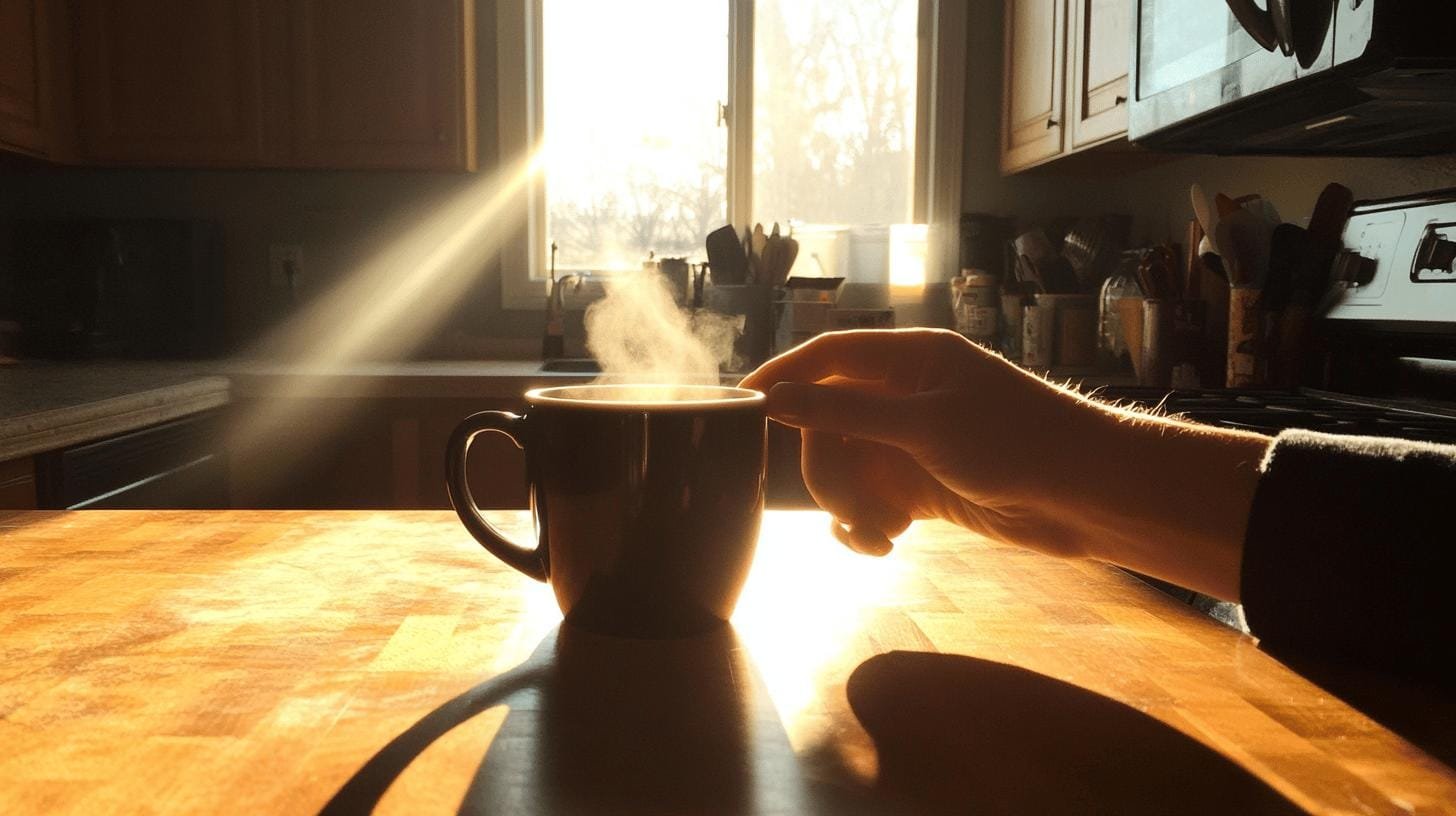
column 1348, row 552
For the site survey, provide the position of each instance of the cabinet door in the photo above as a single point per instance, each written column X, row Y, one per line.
column 1034, row 78
column 171, row 82
column 21, row 76
column 17, row 484
column 380, row 83
column 1100, row 51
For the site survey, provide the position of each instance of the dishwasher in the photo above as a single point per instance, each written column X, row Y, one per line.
column 179, row 464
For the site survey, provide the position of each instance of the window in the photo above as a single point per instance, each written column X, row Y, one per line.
column 661, row 120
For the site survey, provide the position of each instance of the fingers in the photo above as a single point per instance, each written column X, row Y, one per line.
column 862, row 539
column 861, row 355
column 848, row 480
column 845, row 411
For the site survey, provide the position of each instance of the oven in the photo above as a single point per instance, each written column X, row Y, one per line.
column 1303, row 77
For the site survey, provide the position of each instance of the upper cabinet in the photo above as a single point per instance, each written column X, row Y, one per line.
column 345, row 84
column 23, row 77
column 380, row 83
column 1035, row 69
column 171, row 82
column 1065, row 80
column 1098, row 94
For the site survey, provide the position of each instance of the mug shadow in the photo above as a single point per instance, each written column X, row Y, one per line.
column 958, row 734
column 609, row 725
column 600, row 724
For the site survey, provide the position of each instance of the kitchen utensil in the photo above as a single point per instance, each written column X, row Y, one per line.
column 1331, row 211
column 1192, row 262
column 1224, row 205
column 1286, row 252
column 1207, row 215
column 757, row 243
column 1246, row 237
column 791, row 254
column 1326, row 223
column 627, row 550
column 754, row 304
column 725, row 256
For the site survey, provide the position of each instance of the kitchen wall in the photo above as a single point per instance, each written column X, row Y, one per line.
column 1157, row 197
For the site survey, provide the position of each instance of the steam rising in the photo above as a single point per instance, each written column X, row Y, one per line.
column 640, row 335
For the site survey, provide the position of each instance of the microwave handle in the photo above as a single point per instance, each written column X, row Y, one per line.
column 1270, row 29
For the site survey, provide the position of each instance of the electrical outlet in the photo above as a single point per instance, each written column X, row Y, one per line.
column 285, row 266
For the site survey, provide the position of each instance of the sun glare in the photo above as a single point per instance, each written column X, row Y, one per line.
column 396, row 299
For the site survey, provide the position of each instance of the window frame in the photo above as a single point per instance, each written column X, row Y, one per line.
column 939, row 125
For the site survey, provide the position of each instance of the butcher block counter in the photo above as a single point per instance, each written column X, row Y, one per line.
column 292, row 662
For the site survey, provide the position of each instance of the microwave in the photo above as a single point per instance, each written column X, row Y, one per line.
column 1294, row 77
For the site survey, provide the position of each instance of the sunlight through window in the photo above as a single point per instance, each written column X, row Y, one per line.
column 636, row 160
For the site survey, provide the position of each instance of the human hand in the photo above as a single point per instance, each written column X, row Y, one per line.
column 922, row 423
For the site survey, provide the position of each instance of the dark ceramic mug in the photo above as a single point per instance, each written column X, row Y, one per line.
column 647, row 500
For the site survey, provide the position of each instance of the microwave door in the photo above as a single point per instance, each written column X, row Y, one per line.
column 1191, row 57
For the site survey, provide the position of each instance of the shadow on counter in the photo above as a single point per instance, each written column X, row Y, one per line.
column 606, row 725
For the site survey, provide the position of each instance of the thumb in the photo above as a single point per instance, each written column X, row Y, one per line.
column 844, row 411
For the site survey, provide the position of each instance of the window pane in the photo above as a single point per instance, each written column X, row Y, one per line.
column 834, row 110
column 635, row 160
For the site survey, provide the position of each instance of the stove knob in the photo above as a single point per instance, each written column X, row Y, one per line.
column 1353, row 268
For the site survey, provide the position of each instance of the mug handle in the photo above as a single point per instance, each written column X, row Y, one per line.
column 514, row 555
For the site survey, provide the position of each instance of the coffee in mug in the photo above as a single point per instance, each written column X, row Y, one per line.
column 647, row 500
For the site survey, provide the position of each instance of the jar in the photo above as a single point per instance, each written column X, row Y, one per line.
column 1120, row 300
column 975, row 300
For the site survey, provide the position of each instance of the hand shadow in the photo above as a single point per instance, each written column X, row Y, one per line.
column 958, row 734
column 599, row 724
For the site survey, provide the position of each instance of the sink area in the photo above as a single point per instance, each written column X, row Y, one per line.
column 572, row 365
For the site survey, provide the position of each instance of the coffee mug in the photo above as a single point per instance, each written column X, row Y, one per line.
column 647, row 500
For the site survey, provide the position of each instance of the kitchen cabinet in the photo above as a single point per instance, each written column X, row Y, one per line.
column 1065, row 79
column 1099, row 67
column 1032, row 121
column 17, row 484
column 26, row 88
column 171, row 82
column 277, row 83
column 379, row 83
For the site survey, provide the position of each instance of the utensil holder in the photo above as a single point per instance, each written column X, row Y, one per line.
column 755, row 305
column 1172, row 342
column 1248, row 365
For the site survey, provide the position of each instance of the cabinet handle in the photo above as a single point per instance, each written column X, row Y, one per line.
column 1120, row 100
column 1051, row 123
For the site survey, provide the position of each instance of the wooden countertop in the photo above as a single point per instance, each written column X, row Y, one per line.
column 273, row 662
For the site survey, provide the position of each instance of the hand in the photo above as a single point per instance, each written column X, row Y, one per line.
column 917, row 424
column 921, row 423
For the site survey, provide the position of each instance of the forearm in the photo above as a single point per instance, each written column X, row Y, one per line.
column 1169, row 498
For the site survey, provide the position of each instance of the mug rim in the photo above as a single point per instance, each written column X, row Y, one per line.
column 732, row 397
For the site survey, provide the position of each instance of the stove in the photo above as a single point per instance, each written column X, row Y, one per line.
column 1387, row 340
column 1269, row 412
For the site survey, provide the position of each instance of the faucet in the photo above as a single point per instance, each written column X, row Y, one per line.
column 553, row 344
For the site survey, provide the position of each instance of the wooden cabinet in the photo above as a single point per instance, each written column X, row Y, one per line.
column 1065, row 79
column 277, row 83
column 1098, row 92
column 23, row 76
column 17, row 484
column 380, row 83
column 171, row 82
column 1032, row 121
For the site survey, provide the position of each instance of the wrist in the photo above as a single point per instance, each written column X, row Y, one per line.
column 1171, row 498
